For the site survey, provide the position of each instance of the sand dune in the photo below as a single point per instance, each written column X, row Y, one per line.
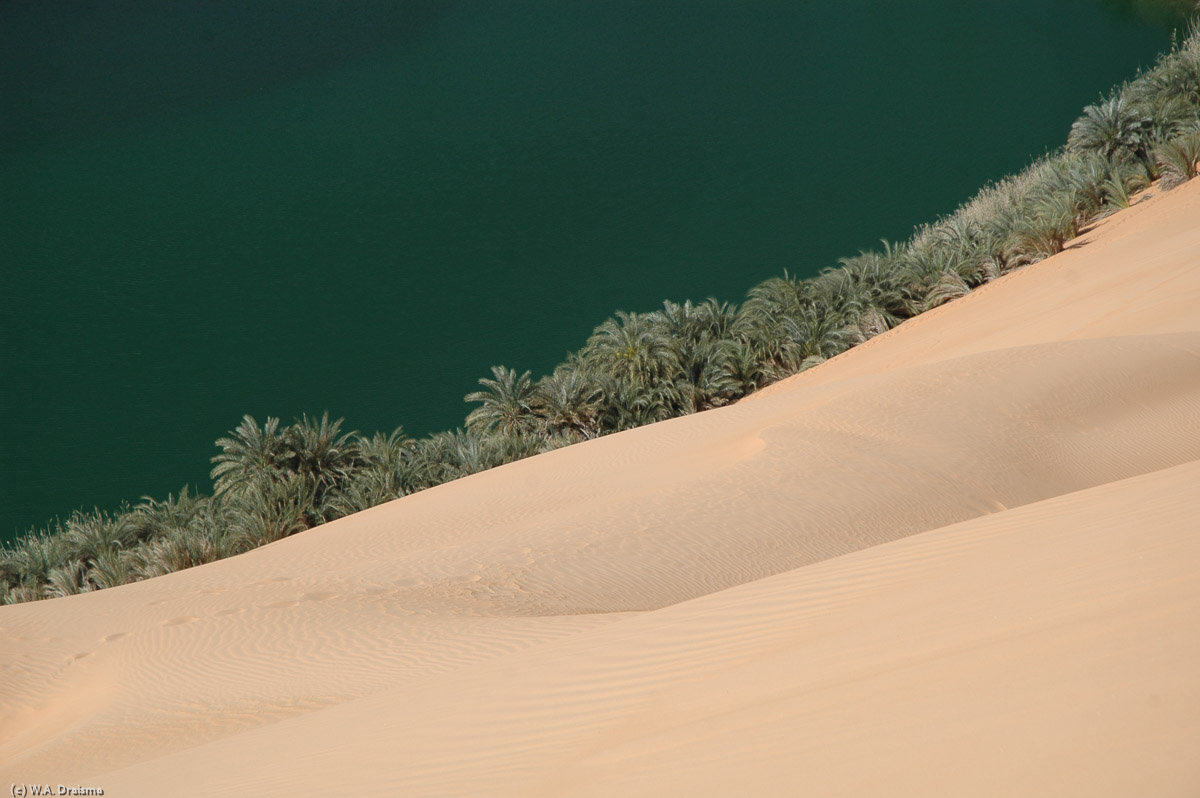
column 950, row 662
column 958, row 560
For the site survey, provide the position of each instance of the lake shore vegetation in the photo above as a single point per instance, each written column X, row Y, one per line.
column 272, row 481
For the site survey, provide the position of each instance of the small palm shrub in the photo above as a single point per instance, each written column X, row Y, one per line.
column 67, row 580
column 177, row 530
column 874, row 282
column 386, row 473
column 948, row 288
column 701, row 342
column 28, row 563
column 1115, row 129
column 62, row 561
column 793, row 324
column 184, row 548
column 1121, row 186
column 1177, row 159
column 1175, row 75
column 304, row 465
column 570, row 402
column 1051, row 220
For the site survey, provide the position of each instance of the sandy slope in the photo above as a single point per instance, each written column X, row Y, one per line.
column 959, row 560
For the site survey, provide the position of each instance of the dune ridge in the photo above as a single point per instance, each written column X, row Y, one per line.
column 783, row 667
column 958, row 559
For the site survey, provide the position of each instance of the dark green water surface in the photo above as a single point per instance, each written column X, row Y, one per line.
column 216, row 208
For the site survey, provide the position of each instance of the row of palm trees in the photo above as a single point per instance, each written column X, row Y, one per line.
column 270, row 482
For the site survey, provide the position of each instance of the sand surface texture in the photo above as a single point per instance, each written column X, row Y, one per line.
column 961, row 559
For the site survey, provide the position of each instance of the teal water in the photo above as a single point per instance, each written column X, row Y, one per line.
column 218, row 208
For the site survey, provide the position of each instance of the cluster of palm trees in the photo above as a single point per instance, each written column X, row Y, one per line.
column 638, row 368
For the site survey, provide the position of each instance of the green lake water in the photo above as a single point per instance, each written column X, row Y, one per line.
column 216, row 208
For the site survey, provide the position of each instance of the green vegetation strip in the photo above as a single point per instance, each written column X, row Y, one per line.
column 637, row 368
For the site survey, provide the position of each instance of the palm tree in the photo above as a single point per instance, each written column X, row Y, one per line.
column 793, row 324
column 248, row 454
column 817, row 331
column 507, row 404
column 1113, row 129
column 687, row 322
column 628, row 406
column 760, row 320
column 570, row 401
column 448, row 456
column 744, row 369
column 314, row 458
column 774, row 298
column 711, row 377
column 630, row 348
column 874, row 280
column 701, row 339
column 324, row 454
column 1169, row 116
column 89, row 536
column 632, row 360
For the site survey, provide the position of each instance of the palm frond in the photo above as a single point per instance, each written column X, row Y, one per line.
column 1178, row 158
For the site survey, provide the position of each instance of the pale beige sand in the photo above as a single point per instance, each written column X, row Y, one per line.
column 963, row 559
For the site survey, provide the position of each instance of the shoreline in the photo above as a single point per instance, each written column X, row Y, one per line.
column 925, row 575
